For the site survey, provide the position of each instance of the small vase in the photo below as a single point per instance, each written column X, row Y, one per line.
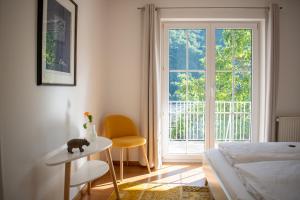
column 91, row 132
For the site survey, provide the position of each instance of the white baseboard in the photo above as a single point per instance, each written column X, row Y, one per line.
column 182, row 158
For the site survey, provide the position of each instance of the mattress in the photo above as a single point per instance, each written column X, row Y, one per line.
column 231, row 182
column 272, row 180
column 258, row 171
column 252, row 152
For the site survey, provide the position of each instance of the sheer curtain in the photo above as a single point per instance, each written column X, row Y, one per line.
column 150, row 87
column 272, row 71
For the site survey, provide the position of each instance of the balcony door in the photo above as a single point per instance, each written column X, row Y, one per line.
column 209, row 86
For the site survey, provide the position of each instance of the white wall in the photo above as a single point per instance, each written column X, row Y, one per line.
column 289, row 72
column 37, row 119
column 124, row 57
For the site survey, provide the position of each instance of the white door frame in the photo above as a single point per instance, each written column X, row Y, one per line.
column 210, row 82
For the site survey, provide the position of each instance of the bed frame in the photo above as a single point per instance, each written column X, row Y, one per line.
column 216, row 187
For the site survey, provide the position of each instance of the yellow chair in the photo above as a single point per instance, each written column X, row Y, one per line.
column 124, row 135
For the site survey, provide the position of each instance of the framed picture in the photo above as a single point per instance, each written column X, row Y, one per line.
column 56, row 42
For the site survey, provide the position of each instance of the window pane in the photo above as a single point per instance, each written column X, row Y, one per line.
column 233, row 84
column 177, row 86
column 196, row 86
column 242, row 65
column 197, row 49
column 233, row 49
column 223, row 86
column 242, row 53
column 223, row 54
column 177, row 49
column 242, row 86
column 177, row 128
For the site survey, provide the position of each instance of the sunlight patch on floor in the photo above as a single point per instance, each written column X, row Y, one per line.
column 169, row 176
column 150, row 187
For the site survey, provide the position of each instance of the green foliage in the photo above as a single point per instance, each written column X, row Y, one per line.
column 85, row 125
column 179, row 133
column 179, row 41
column 233, row 75
column 191, row 87
column 90, row 117
column 233, row 65
column 233, row 49
column 50, row 49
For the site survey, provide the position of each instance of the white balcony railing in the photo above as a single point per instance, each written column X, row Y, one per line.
column 187, row 121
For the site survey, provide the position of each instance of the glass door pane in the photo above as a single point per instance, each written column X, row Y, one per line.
column 233, row 97
column 187, row 77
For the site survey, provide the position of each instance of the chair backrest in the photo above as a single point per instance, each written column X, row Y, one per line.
column 118, row 126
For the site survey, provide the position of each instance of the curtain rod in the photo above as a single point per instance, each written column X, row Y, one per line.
column 159, row 8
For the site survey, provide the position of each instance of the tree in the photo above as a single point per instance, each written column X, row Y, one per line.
column 233, row 66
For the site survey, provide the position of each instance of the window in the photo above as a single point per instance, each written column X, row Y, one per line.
column 208, row 91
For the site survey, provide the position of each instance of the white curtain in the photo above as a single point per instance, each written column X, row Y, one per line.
column 150, row 87
column 272, row 71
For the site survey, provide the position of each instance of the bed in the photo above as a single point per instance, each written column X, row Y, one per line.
column 254, row 171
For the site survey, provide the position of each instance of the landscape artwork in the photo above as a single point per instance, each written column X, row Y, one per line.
column 57, row 20
column 58, row 37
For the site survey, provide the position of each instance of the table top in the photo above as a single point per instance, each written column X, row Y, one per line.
column 63, row 156
column 89, row 171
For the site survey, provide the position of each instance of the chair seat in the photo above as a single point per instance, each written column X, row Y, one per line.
column 128, row 141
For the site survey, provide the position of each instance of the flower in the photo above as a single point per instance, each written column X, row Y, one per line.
column 89, row 119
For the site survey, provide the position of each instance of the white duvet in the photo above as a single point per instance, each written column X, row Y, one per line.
column 253, row 152
column 272, row 180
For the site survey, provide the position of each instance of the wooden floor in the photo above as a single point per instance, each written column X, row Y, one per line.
column 180, row 174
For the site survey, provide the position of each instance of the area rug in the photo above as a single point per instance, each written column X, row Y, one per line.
column 157, row 191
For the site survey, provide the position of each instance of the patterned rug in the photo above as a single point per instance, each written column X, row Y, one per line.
column 156, row 191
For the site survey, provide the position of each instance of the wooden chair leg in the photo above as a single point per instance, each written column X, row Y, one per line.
column 146, row 159
column 121, row 164
column 127, row 155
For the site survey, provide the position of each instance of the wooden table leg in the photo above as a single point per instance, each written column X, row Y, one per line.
column 89, row 184
column 112, row 172
column 206, row 182
column 67, row 181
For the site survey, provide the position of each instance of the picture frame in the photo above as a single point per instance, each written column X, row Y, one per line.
column 57, row 42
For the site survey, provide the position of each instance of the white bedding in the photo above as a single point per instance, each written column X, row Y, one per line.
column 252, row 152
column 233, row 185
column 274, row 180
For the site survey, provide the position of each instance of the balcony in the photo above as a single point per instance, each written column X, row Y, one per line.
column 232, row 122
